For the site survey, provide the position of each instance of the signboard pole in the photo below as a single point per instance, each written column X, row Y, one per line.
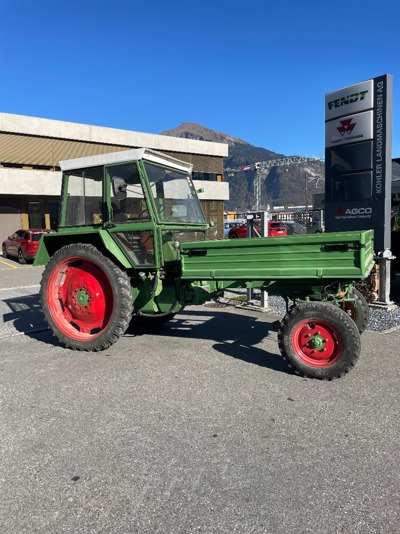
column 263, row 216
column 384, row 279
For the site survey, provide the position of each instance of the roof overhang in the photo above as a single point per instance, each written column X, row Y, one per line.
column 48, row 128
column 125, row 156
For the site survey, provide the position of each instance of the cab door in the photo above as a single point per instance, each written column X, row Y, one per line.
column 129, row 219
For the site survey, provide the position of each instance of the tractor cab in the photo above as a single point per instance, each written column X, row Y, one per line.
column 144, row 201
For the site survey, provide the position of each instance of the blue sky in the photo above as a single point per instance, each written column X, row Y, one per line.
column 250, row 68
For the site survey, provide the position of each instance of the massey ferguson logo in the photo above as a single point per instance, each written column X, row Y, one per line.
column 340, row 211
column 346, row 126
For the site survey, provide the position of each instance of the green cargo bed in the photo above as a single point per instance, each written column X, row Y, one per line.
column 335, row 255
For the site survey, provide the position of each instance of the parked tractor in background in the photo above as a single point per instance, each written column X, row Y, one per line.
column 131, row 248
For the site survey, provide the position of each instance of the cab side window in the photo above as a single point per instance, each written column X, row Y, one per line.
column 133, row 207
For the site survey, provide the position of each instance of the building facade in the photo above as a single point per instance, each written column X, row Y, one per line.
column 30, row 178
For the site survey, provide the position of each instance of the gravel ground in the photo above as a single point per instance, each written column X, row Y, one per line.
column 381, row 318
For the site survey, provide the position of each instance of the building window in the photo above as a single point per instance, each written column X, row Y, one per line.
column 36, row 218
column 207, row 176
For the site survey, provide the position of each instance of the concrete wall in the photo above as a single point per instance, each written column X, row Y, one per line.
column 29, row 182
column 212, row 190
column 10, row 221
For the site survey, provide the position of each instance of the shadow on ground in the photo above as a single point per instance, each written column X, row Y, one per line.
column 234, row 334
column 26, row 317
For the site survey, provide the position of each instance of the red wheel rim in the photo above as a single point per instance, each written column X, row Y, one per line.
column 317, row 343
column 79, row 298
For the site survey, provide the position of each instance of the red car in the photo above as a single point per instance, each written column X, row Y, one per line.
column 275, row 229
column 23, row 244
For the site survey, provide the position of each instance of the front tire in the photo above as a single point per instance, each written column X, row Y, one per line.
column 86, row 299
column 4, row 251
column 319, row 340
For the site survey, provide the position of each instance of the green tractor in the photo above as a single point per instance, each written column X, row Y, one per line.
column 131, row 247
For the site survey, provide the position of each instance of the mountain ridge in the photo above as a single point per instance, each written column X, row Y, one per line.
column 192, row 130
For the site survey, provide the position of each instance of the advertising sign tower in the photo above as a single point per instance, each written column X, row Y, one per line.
column 358, row 161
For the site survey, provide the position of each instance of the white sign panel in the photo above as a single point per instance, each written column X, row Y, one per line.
column 349, row 129
column 352, row 99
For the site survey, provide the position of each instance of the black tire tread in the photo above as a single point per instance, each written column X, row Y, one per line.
column 342, row 322
column 21, row 257
column 362, row 311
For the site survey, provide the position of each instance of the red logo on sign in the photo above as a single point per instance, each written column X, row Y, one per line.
column 346, row 126
column 339, row 211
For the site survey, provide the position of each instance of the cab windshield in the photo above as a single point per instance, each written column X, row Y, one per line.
column 174, row 195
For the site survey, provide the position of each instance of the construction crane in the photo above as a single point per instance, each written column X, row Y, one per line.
column 260, row 166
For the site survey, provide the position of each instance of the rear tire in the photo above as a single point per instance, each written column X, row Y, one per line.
column 21, row 257
column 233, row 236
column 86, row 299
column 319, row 340
column 358, row 311
column 4, row 251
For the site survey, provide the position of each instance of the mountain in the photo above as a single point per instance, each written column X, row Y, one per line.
column 288, row 185
column 192, row 130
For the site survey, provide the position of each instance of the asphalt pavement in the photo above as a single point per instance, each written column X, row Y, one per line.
column 197, row 426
